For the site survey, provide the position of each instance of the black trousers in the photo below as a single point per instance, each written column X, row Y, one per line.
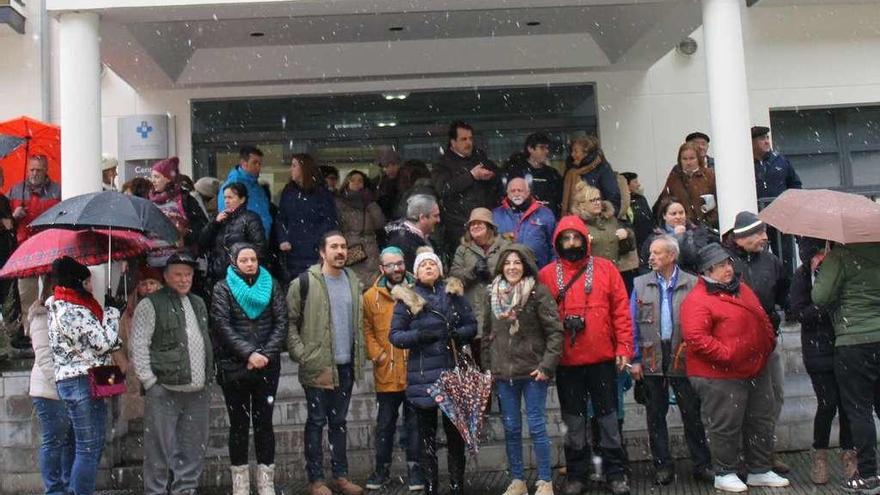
column 455, row 459
column 597, row 383
column 857, row 368
column 251, row 401
column 827, row 406
column 657, row 405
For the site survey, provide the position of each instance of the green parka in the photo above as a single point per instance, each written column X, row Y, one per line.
column 849, row 279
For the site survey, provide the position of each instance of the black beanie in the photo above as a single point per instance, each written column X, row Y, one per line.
column 69, row 273
column 239, row 247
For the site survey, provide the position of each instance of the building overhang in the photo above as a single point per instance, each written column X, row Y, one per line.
column 12, row 16
column 162, row 44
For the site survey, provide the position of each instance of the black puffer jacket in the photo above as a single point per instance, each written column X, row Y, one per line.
column 689, row 244
column 242, row 225
column 236, row 337
column 817, row 330
column 764, row 273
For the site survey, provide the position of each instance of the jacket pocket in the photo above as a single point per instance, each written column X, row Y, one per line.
column 644, row 311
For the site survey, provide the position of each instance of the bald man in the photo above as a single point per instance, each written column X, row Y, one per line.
column 525, row 220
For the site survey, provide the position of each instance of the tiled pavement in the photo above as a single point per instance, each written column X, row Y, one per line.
column 494, row 483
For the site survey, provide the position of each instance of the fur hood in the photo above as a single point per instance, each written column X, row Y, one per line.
column 415, row 302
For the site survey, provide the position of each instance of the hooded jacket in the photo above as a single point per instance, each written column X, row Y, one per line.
column 459, row 192
column 257, row 202
column 605, row 310
column 533, row 227
column 426, row 322
column 850, row 277
column 538, row 342
column 389, row 374
column 727, row 336
column 236, row 337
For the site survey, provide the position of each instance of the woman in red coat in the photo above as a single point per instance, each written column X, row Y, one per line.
column 729, row 339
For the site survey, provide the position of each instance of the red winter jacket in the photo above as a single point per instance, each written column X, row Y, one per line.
column 727, row 336
column 35, row 202
column 608, row 331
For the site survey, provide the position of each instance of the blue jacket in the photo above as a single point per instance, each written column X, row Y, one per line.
column 257, row 201
column 533, row 227
column 774, row 174
column 425, row 320
column 303, row 217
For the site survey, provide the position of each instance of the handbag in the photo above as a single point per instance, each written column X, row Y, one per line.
column 106, row 381
column 357, row 252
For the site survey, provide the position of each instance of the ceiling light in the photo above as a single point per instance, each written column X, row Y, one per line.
column 395, row 96
column 386, row 124
column 257, row 34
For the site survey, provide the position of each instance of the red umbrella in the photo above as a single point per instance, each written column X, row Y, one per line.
column 22, row 137
column 90, row 247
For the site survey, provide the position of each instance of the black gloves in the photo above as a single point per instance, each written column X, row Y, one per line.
column 481, row 270
column 430, row 335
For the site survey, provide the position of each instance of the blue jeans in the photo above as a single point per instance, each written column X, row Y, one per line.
column 386, row 424
column 510, row 393
column 88, row 417
column 328, row 407
column 56, row 445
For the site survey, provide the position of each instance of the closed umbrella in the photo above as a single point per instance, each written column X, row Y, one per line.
column 108, row 210
column 824, row 214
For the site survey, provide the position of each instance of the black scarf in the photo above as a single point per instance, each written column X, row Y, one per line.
column 520, row 208
column 713, row 287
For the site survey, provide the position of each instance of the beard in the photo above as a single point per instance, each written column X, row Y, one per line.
column 573, row 253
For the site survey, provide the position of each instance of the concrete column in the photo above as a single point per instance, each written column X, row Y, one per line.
column 80, row 94
column 729, row 109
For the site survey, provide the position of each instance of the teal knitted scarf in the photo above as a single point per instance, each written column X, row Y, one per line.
column 253, row 299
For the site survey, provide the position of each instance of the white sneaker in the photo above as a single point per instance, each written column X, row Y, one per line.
column 767, row 479
column 730, row 483
column 517, row 487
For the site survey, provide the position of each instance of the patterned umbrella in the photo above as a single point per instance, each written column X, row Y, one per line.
column 462, row 394
column 90, row 247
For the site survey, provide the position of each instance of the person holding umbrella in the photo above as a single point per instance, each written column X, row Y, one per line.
column 30, row 198
column 81, row 336
column 428, row 320
column 522, row 345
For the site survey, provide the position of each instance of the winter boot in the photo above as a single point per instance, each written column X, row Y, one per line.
column 819, row 467
column 850, row 462
column 266, row 479
column 241, row 480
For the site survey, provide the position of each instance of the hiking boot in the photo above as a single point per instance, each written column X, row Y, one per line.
column 414, row 481
column 377, row 480
column 779, row 466
column 544, row 487
column 849, row 461
column 619, row 487
column 345, row 487
column 664, row 475
column 573, row 487
column 769, row 478
column 319, row 488
column 705, row 475
column 819, row 467
column 730, row 483
column 517, row 487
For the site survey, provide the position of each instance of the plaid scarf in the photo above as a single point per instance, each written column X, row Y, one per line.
column 508, row 300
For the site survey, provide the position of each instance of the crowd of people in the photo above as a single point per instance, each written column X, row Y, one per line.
column 542, row 276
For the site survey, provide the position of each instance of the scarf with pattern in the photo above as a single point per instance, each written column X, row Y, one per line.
column 508, row 300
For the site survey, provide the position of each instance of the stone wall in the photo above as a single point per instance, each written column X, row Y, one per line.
column 121, row 464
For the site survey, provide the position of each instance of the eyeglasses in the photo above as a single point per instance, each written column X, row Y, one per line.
column 392, row 266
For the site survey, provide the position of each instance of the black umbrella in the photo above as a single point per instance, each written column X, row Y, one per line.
column 108, row 210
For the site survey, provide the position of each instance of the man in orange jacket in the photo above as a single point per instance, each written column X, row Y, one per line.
column 389, row 373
